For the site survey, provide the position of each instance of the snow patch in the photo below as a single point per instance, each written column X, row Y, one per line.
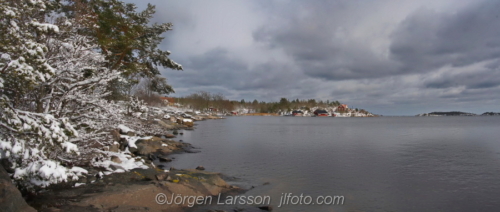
column 70, row 147
column 132, row 139
column 79, row 184
column 127, row 163
column 124, row 129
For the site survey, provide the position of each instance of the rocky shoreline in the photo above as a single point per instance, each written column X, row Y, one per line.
column 108, row 188
column 133, row 191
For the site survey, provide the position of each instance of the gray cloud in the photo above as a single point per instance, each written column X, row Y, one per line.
column 427, row 40
column 390, row 57
column 218, row 68
column 475, row 77
column 321, row 44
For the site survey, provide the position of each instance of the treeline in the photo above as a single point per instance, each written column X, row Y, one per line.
column 285, row 104
column 206, row 101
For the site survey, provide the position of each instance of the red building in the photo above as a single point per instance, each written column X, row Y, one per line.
column 342, row 108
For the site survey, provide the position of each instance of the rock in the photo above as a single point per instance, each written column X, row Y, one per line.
column 163, row 124
column 115, row 134
column 266, row 183
column 133, row 150
column 172, row 169
column 136, row 191
column 131, row 133
column 114, row 147
column 162, row 176
column 10, row 197
column 116, row 159
column 181, row 133
column 146, row 147
column 7, row 165
column 200, row 168
column 123, row 143
column 175, row 132
column 170, row 135
column 191, row 151
column 266, row 208
column 152, row 156
column 163, row 158
column 91, row 178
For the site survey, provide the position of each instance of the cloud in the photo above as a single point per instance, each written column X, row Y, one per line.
column 324, row 43
column 390, row 57
column 218, row 68
column 427, row 40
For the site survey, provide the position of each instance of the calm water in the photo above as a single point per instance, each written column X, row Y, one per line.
column 378, row 164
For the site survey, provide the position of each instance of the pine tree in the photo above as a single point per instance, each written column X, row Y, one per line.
column 127, row 39
column 30, row 140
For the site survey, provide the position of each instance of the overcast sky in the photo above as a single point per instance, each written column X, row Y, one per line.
column 391, row 57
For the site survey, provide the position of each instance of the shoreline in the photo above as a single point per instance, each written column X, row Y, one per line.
column 136, row 189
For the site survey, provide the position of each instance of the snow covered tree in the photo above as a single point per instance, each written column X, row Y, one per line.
column 28, row 139
column 51, row 92
column 56, row 70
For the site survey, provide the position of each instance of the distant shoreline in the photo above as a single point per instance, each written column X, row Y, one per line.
column 458, row 113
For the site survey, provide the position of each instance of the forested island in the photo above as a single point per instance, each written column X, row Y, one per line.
column 458, row 113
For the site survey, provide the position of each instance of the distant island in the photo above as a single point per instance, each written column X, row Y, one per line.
column 457, row 113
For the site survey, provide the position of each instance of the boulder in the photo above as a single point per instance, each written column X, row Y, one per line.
column 163, row 124
column 114, row 147
column 146, row 147
column 200, row 168
column 10, row 197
